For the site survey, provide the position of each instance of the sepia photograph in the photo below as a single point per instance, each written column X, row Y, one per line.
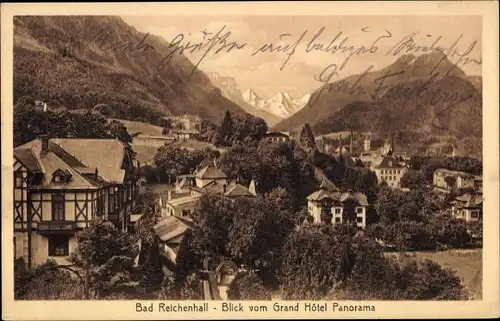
column 327, row 158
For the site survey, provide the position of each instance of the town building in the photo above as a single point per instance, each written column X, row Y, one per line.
column 153, row 140
column 445, row 180
column 209, row 180
column 208, row 174
column 171, row 230
column 184, row 134
column 277, row 137
column 388, row 169
column 331, row 206
column 468, row 207
column 61, row 185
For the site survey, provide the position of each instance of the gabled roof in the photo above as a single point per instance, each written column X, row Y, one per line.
column 470, row 200
column 170, row 227
column 27, row 158
column 237, row 190
column 183, row 200
column 52, row 163
column 357, row 197
column 77, row 157
column 387, row 162
column 210, row 172
column 104, row 154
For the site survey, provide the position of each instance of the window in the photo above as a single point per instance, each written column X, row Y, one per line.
column 359, row 219
column 474, row 214
column 337, row 220
column 185, row 212
column 337, row 211
column 18, row 179
column 58, row 206
column 58, row 246
column 359, row 210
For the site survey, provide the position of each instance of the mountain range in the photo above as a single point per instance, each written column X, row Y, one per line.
column 79, row 61
column 451, row 103
column 280, row 105
column 229, row 90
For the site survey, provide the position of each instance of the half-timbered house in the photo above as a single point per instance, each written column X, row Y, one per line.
column 60, row 185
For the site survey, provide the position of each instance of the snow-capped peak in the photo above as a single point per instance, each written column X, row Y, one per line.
column 281, row 104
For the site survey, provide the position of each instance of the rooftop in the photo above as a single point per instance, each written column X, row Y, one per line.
column 210, row 172
column 77, row 157
column 171, row 227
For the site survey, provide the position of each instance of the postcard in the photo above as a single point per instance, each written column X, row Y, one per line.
column 250, row 160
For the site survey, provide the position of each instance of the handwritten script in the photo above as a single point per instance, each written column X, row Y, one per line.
column 340, row 47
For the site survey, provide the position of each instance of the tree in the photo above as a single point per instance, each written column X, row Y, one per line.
column 307, row 137
column 225, row 131
column 172, row 161
column 307, row 270
column 109, row 253
column 118, row 130
column 247, row 286
column 412, row 179
column 151, row 258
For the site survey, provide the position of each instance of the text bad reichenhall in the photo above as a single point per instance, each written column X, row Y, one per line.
column 253, row 307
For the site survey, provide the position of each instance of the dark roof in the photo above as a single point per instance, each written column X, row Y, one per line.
column 237, row 190
column 27, row 158
column 388, row 162
column 277, row 134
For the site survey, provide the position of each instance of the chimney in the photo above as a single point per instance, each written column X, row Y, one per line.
column 367, row 144
column 340, row 143
column 169, row 195
column 215, row 162
column 96, row 174
column 350, row 145
column 224, row 188
column 45, row 143
column 251, row 187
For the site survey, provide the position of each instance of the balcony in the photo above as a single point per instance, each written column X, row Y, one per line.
column 56, row 227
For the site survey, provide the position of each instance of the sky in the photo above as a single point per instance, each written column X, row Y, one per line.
column 266, row 72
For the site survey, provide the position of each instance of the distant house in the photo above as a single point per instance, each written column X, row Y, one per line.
column 232, row 190
column 184, row 134
column 278, row 137
column 460, row 180
column 332, row 206
column 208, row 174
column 182, row 206
column 388, row 169
column 153, row 140
column 468, row 207
column 210, row 180
column 171, row 231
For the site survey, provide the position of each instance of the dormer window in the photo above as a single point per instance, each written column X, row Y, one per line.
column 61, row 176
column 390, row 164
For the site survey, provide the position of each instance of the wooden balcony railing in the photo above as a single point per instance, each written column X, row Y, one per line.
column 56, row 226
